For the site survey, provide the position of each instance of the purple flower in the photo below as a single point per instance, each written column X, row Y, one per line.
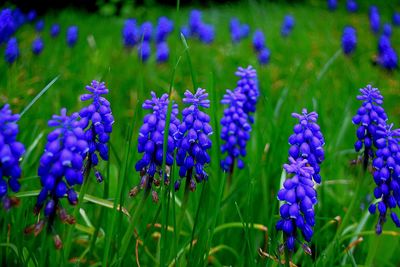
column 332, row 5
column 19, row 17
column 162, row 53
column 287, row 25
column 195, row 21
column 206, row 33
column 7, row 25
column 387, row 30
column 299, row 198
column 369, row 116
column 387, row 56
column 37, row 46
column 11, row 53
column 10, row 153
column 72, row 36
column 238, row 31
column 193, row 139
column 349, row 40
column 351, row 6
column 61, row 164
column 258, row 40
column 55, row 30
column 130, row 33
column 396, row 19
column 97, row 121
column 31, row 16
column 144, row 51
column 374, row 19
column 151, row 141
column 264, row 56
column 164, row 27
column 248, row 85
column 307, row 142
column 235, row 130
column 386, row 172
column 146, row 31
column 39, row 25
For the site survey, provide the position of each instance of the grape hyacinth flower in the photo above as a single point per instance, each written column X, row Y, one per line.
column 60, row 169
column 248, row 85
column 130, row 33
column 307, row 142
column 374, row 19
column 386, row 175
column 332, row 5
column 349, row 40
column 369, row 116
column 10, row 153
column 162, row 53
column 55, row 30
column 193, row 140
column 387, row 56
column 235, row 130
column 151, row 144
column 39, row 25
column 31, row 16
column 7, row 25
column 206, row 33
column 146, row 31
column 287, row 25
column 264, row 56
column 387, row 30
column 297, row 211
column 72, row 36
column 258, row 40
column 164, row 27
column 238, row 31
column 37, row 46
column 19, row 17
column 351, row 6
column 195, row 21
column 396, row 19
column 11, row 53
column 97, row 121
column 144, row 51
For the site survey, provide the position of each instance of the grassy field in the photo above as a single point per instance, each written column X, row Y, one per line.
column 222, row 225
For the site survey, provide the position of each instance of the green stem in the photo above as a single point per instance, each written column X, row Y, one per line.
column 129, row 232
column 82, row 193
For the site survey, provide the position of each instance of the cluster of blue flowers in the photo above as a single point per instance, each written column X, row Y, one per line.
column 387, row 56
column 305, row 156
column 351, row 6
column 11, row 53
column 151, row 143
column 72, row 36
column 381, row 147
column 10, row 153
column 259, row 46
column 197, row 28
column 142, row 36
column 238, row 31
column 332, row 5
column 235, row 130
column 396, row 19
column 287, row 25
column 369, row 116
column 349, row 40
column 248, row 85
column 61, row 165
column 7, row 25
column 386, row 174
column 374, row 19
column 193, row 139
column 97, row 121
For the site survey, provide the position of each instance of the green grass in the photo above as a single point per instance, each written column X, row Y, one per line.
column 219, row 225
